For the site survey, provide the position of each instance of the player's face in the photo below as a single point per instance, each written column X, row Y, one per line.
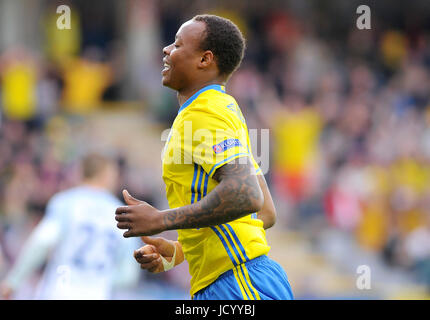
column 182, row 57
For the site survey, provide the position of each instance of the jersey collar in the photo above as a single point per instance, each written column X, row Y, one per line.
column 216, row 87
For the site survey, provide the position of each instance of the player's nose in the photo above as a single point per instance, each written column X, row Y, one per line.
column 165, row 52
column 167, row 49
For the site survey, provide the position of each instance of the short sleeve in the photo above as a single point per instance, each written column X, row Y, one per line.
column 212, row 140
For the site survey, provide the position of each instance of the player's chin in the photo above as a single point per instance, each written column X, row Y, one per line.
column 167, row 82
column 166, row 79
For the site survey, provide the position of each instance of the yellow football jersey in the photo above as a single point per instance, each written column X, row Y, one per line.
column 208, row 132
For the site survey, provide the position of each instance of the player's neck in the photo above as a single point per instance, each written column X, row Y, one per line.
column 185, row 94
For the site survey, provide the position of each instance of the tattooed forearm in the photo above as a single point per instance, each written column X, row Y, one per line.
column 237, row 194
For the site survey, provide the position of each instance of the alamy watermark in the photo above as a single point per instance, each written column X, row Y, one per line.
column 64, row 20
column 364, row 280
column 364, row 20
column 203, row 146
column 63, row 278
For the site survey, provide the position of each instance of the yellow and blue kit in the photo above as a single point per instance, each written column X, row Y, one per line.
column 208, row 132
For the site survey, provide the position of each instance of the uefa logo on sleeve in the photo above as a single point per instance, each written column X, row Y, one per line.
column 217, row 148
column 226, row 144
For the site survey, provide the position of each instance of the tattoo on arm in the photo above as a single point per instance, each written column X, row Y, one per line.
column 237, row 194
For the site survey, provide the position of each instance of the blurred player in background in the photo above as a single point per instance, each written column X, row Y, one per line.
column 87, row 257
column 220, row 203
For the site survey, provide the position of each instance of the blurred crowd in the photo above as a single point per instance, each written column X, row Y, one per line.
column 349, row 120
column 348, row 112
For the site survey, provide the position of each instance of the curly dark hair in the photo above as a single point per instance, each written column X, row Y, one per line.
column 225, row 40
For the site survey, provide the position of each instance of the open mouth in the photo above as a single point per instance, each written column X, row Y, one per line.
column 166, row 67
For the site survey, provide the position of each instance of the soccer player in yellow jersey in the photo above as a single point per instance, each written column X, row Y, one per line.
column 218, row 198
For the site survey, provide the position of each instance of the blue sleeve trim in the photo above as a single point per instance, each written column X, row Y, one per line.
column 225, row 160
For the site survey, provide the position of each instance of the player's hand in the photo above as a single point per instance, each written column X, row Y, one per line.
column 138, row 217
column 6, row 292
column 149, row 255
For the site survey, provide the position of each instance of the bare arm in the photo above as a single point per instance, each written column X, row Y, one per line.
column 268, row 213
column 237, row 194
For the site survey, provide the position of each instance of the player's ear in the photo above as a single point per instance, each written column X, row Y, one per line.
column 207, row 58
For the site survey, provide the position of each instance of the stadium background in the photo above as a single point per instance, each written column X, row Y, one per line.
column 348, row 112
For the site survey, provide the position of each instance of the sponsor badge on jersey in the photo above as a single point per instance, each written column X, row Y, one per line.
column 226, row 144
